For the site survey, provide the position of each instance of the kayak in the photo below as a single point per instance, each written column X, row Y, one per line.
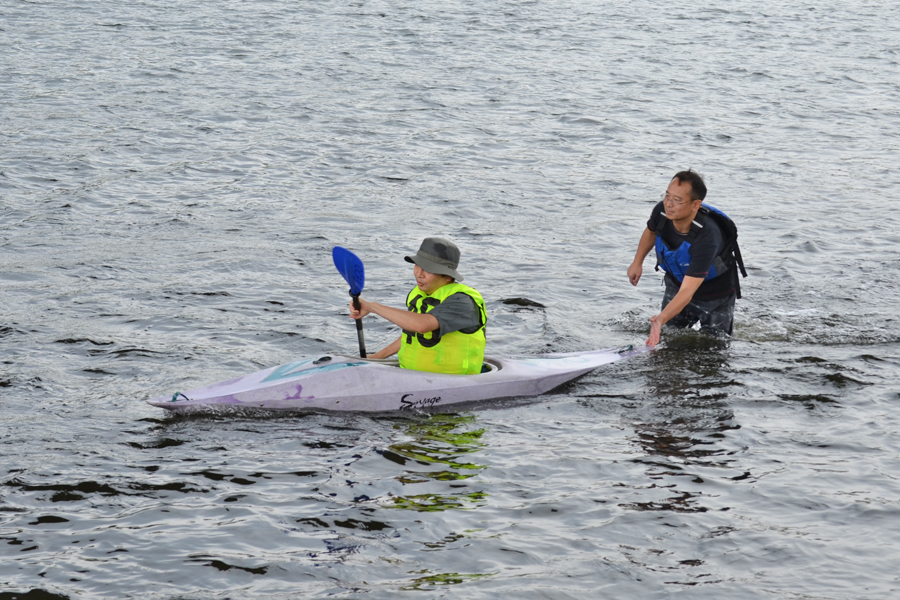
column 335, row 382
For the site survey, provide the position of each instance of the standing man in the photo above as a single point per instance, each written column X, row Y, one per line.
column 696, row 245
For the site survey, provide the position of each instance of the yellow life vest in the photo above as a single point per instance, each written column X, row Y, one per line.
column 456, row 352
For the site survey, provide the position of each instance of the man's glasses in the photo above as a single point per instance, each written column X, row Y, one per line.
column 665, row 197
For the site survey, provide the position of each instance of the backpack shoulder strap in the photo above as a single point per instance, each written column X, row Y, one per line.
column 698, row 223
column 659, row 221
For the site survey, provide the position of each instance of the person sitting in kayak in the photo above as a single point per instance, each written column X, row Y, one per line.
column 444, row 323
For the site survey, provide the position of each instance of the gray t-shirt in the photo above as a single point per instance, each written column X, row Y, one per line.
column 458, row 312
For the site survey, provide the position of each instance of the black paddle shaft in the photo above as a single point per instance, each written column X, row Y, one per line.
column 359, row 329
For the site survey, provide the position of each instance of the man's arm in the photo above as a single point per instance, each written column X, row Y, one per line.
column 648, row 241
column 458, row 312
column 405, row 319
column 685, row 294
column 390, row 350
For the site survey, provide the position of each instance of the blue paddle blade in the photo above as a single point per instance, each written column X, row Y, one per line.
column 351, row 268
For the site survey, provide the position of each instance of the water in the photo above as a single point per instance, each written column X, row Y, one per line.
column 174, row 175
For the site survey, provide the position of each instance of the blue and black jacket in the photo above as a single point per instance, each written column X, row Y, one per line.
column 675, row 261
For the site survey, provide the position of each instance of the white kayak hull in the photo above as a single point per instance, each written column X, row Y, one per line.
column 343, row 383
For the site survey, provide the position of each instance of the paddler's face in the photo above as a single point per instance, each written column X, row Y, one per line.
column 429, row 282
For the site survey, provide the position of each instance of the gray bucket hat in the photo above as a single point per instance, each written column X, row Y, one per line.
column 439, row 256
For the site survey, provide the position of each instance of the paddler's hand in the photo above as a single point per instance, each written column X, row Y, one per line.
column 364, row 309
column 655, row 328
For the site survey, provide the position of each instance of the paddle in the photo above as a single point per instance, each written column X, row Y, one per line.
column 351, row 268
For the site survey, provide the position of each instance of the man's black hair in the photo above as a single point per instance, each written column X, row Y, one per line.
column 698, row 188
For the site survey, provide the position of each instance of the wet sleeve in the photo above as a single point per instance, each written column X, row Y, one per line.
column 457, row 313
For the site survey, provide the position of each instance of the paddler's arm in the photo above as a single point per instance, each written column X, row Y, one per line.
column 648, row 241
column 388, row 351
column 684, row 296
column 405, row 319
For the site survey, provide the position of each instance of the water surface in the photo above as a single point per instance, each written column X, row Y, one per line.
column 174, row 175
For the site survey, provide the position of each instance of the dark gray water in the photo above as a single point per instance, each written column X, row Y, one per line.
column 174, row 175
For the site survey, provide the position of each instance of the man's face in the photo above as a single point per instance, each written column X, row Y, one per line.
column 428, row 282
column 677, row 201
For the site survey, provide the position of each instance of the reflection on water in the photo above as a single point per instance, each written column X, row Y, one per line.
column 441, row 579
column 684, row 417
column 438, row 445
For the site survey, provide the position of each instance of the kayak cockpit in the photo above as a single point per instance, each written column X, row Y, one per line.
column 488, row 366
